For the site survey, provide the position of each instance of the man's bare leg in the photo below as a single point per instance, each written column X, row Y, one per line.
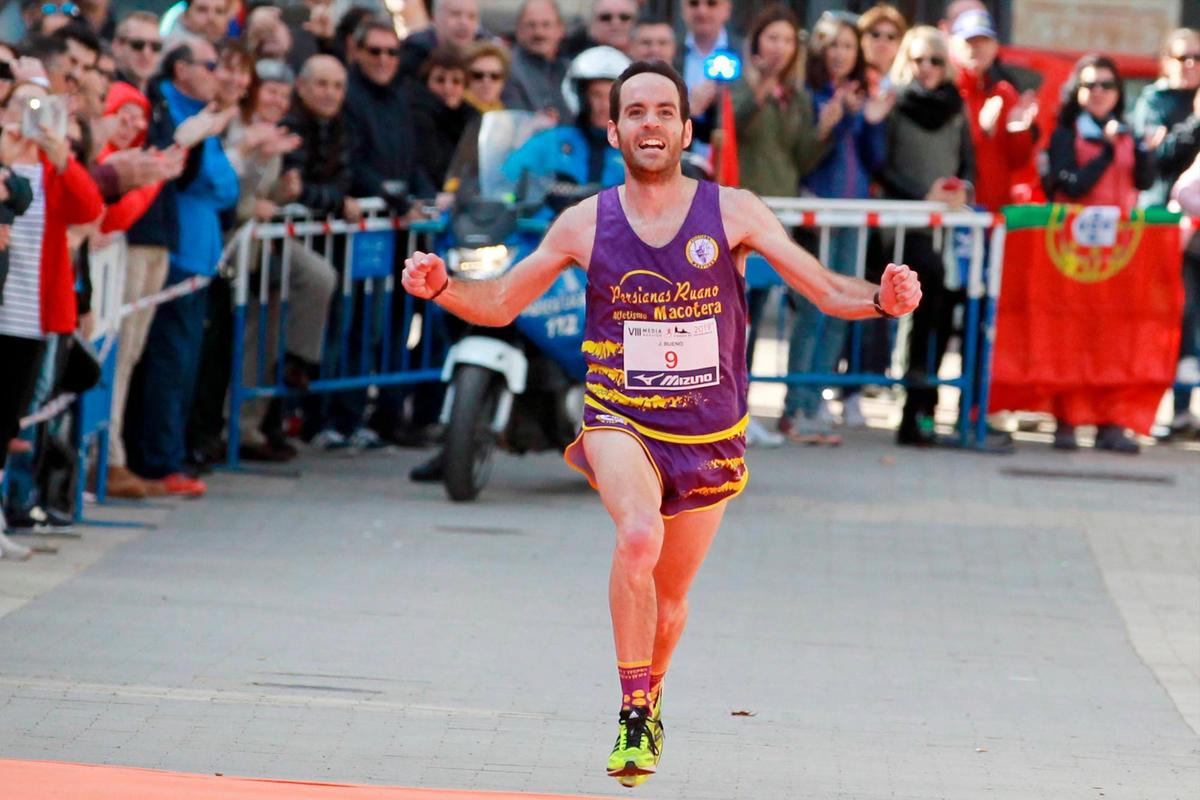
column 685, row 544
column 630, row 492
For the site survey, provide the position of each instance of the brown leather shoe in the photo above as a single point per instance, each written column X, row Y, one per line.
column 123, row 483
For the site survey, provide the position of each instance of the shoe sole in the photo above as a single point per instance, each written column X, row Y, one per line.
column 630, row 770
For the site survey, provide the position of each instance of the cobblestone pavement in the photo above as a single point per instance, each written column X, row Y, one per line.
column 899, row 624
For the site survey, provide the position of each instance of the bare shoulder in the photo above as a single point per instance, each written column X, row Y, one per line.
column 572, row 234
column 741, row 213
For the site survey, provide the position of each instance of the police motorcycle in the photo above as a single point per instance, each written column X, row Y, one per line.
column 517, row 388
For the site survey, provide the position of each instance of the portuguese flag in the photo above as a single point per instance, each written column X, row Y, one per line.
column 1089, row 313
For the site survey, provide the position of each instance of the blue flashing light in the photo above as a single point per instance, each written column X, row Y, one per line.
column 723, row 65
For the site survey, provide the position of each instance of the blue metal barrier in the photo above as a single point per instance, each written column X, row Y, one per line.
column 368, row 271
column 968, row 229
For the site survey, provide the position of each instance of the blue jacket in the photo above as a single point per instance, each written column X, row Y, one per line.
column 856, row 150
column 200, row 202
column 566, row 152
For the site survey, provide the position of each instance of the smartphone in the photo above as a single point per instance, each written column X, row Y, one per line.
column 44, row 113
column 6, row 73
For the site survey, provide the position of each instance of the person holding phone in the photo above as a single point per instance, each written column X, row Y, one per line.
column 39, row 289
column 1094, row 160
column 929, row 157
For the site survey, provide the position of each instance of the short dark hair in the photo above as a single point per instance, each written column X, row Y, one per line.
column 80, row 32
column 445, row 57
column 44, row 48
column 180, row 53
column 638, row 68
column 372, row 23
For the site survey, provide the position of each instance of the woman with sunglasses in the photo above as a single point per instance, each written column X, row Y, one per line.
column 1094, row 160
column 929, row 157
column 882, row 27
column 487, row 72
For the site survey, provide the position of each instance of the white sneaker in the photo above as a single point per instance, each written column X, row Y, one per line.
column 1188, row 371
column 759, row 436
column 366, row 439
column 11, row 550
column 852, row 415
column 329, row 439
column 825, row 415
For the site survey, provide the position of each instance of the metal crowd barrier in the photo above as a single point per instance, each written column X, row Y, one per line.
column 367, row 268
column 984, row 233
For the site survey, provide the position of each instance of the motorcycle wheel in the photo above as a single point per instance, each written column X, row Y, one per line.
column 470, row 442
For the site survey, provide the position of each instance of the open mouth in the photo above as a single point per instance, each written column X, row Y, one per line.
column 652, row 144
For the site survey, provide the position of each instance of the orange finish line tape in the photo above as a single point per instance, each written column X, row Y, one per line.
column 54, row 780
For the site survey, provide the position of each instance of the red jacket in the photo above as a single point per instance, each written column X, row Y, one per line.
column 133, row 204
column 71, row 199
column 1000, row 155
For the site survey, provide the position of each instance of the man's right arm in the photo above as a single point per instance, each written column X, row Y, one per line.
column 498, row 301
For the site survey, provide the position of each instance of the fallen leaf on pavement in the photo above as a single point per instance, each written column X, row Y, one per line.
column 743, row 713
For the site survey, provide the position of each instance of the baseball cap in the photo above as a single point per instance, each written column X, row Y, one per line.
column 974, row 23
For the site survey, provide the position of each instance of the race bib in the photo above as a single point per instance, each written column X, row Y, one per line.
column 671, row 355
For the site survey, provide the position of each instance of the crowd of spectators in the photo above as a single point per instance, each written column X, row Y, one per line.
column 181, row 128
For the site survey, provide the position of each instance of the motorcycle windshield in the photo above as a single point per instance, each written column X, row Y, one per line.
column 501, row 134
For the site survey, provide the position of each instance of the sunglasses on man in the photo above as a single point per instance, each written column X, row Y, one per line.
column 1091, row 86
column 484, row 75
column 141, row 44
column 933, row 61
column 610, row 16
column 376, row 52
column 698, row 3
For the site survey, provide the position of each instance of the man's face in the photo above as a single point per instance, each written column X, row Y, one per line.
column 196, row 77
column 206, row 18
column 379, row 57
column 540, row 31
column 456, row 21
column 131, row 122
column 597, row 102
column 612, row 22
column 78, row 60
column 706, row 18
column 323, row 88
column 650, row 133
column 653, row 43
column 1181, row 67
column 976, row 54
column 138, row 49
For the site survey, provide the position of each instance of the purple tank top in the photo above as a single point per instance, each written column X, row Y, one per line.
column 665, row 338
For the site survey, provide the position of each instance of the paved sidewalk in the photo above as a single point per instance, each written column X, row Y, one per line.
column 900, row 624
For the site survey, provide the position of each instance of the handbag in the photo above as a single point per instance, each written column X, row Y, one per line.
column 82, row 369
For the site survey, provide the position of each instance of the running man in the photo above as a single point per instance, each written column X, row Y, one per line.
column 665, row 410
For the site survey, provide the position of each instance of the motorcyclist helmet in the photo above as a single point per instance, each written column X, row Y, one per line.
column 594, row 64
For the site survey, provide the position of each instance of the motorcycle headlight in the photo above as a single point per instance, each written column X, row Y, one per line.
column 479, row 263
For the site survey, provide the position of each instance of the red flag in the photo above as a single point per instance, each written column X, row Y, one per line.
column 1089, row 314
column 725, row 157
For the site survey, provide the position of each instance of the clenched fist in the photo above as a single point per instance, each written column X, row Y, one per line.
column 899, row 290
column 424, row 275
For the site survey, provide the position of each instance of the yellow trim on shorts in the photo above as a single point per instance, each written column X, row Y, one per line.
column 739, row 490
column 662, row 487
column 737, row 429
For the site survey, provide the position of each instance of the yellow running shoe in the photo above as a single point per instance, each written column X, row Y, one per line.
column 635, row 752
column 655, row 727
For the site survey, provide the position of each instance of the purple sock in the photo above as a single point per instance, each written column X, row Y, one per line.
column 635, row 684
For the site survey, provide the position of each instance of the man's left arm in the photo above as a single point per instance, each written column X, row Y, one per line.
column 749, row 223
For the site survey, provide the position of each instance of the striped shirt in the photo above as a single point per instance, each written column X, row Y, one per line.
column 21, row 313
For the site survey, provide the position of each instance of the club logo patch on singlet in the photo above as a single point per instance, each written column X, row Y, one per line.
column 674, row 356
column 702, row 251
